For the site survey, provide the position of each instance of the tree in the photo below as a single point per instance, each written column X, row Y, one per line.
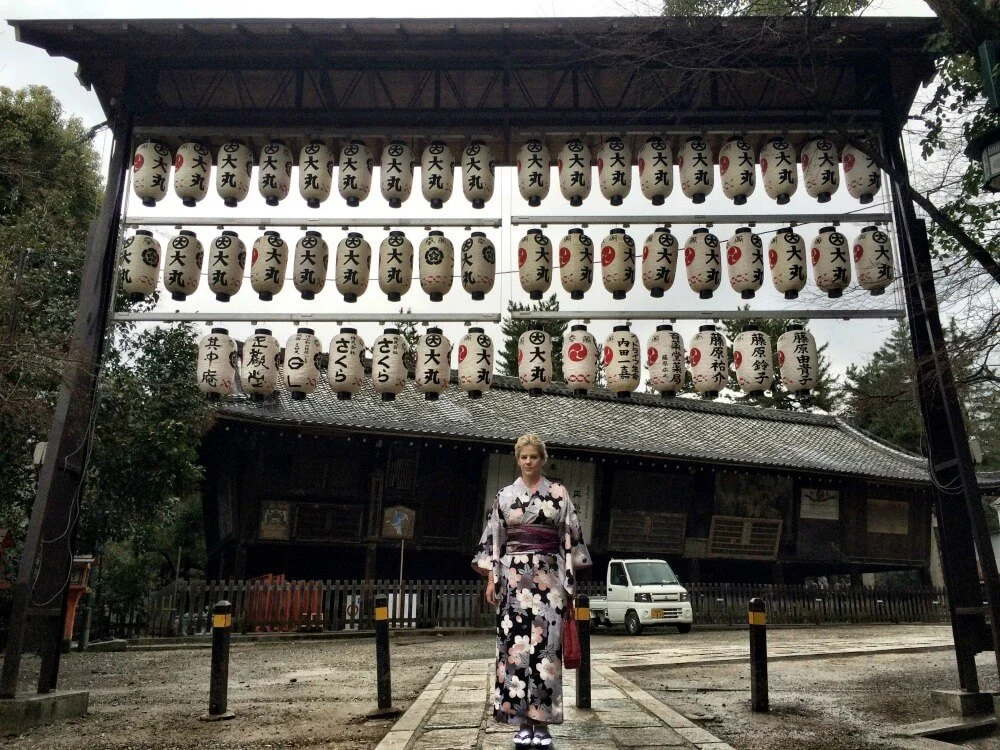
column 512, row 328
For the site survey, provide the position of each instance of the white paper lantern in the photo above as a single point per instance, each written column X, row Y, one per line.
column 267, row 264
column 303, row 355
column 150, row 171
column 388, row 367
column 227, row 260
column 232, row 177
column 534, row 360
column 709, row 361
column 478, row 169
column 192, row 170
column 873, row 260
column 274, row 172
column 437, row 173
column 576, row 263
column 752, row 361
column 736, row 170
column 353, row 266
column 315, row 173
column 798, row 361
column 863, row 177
column 346, row 369
column 704, row 266
column 659, row 261
column 395, row 265
column 665, row 364
column 433, row 366
column 574, row 171
column 261, row 355
column 534, row 263
column 533, row 162
column 786, row 255
column 618, row 263
column 312, row 259
column 436, row 261
column 694, row 164
column 354, row 172
column 580, row 355
column 475, row 362
column 830, row 261
column 396, row 173
column 216, row 363
column 778, row 170
column 140, row 264
column 745, row 261
column 820, row 168
column 656, row 170
column 479, row 265
column 614, row 170
column 182, row 266
column 622, row 370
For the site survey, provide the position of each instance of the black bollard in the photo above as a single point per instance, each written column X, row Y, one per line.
column 583, row 671
column 758, row 657
column 218, row 691
column 382, row 652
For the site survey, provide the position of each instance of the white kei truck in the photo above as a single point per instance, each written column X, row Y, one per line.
column 642, row 593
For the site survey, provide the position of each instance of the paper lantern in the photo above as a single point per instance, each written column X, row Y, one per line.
column 261, row 355
column 479, row 265
column 736, row 170
column 798, row 361
column 534, row 360
column 312, row 258
column 580, row 355
column 303, row 355
column 475, row 362
column 709, row 361
column 778, row 170
column 533, row 161
column 355, row 167
column 274, row 173
column 436, row 261
column 574, row 171
column 182, row 266
column 820, row 169
column 395, row 265
column 216, row 363
column 694, row 164
column 618, row 263
column 353, row 266
column 478, row 168
column 150, row 170
column 665, row 361
column 786, row 255
column 534, row 263
column 831, row 266
column 346, row 369
column 227, row 260
column 232, row 177
column 192, row 168
column 621, row 361
column 656, row 169
column 388, row 368
column 704, row 266
column 140, row 264
column 659, row 261
column 745, row 261
column 576, row 263
column 267, row 264
column 863, row 177
column 315, row 173
column 752, row 361
column 437, row 173
column 614, row 170
column 396, row 173
column 432, row 370
column 873, row 260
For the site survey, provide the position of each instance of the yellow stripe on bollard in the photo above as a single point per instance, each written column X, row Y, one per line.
column 381, row 613
column 757, row 618
column 222, row 621
column 583, row 613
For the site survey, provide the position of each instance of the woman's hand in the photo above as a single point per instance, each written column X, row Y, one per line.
column 490, row 593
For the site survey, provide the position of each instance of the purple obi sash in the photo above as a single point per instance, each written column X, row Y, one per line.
column 529, row 538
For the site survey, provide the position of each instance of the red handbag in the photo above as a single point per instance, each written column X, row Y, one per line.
column 570, row 641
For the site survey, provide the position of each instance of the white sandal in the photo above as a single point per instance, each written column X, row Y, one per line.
column 542, row 738
column 523, row 738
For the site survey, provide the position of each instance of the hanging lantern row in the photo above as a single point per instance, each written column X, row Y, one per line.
column 193, row 162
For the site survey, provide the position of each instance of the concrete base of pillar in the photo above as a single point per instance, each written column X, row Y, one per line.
column 965, row 704
column 26, row 712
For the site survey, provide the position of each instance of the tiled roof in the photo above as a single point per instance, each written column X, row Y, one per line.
column 645, row 425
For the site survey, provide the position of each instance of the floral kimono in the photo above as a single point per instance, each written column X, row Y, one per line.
column 534, row 546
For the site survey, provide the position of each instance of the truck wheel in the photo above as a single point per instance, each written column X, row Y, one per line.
column 632, row 624
column 685, row 628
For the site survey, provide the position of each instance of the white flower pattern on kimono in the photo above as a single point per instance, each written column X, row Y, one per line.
column 506, row 623
column 548, row 669
column 516, row 687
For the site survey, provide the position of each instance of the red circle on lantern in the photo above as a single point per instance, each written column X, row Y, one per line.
column 608, row 355
column 522, row 256
column 642, row 165
column 564, row 256
column 695, row 357
column 738, row 357
column 645, row 252
column 781, row 358
column 178, row 161
column 607, row 255
column 463, row 352
column 600, row 164
column 253, row 258
column 805, row 161
column 859, row 250
column 520, row 356
column 772, row 257
column 733, row 255
column 848, row 162
column 137, row 162
column 763, row 166
column 519, row 166
column 577, row 352
column 652, row 354
column 815, row 255
column 680, row 162
column 688, row 256
column 723, row 164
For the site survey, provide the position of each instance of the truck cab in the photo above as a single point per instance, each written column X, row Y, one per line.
column 642, row 593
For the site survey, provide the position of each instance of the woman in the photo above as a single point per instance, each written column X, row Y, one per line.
column 530, row 552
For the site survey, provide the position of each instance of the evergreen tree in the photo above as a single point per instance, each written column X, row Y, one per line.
column 512, row 328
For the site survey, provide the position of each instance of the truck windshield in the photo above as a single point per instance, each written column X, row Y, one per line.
column 645, row 573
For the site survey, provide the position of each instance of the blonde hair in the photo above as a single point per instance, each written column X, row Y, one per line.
column 530, row 438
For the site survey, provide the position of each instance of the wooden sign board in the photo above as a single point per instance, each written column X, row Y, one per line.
column 398, row 522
